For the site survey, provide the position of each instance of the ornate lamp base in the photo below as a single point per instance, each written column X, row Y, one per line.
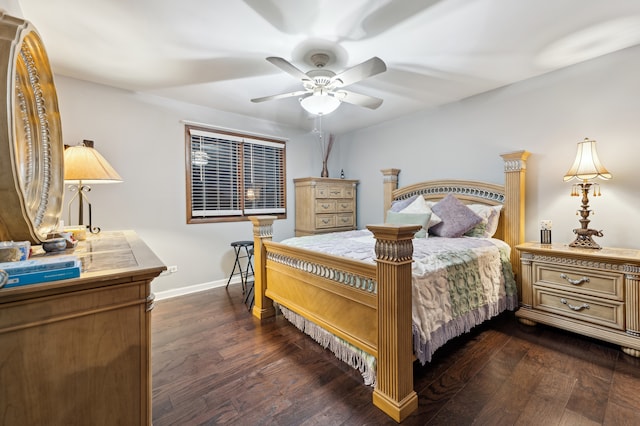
column 584, row 240
column 584, row 234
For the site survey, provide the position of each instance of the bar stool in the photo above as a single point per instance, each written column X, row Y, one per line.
column 245, row 273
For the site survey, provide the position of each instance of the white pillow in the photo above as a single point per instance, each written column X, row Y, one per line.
column 420, row 205
column 490, row 217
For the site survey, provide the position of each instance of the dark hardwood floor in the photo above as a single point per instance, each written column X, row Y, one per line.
column 213, row 363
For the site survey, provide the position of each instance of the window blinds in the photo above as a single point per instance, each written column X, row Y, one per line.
column 235, row 176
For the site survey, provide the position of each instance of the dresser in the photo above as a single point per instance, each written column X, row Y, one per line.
column 592, row 292
column 325, row 205
column 78, row 351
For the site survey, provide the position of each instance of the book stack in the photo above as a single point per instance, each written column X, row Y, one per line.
column 41, row 270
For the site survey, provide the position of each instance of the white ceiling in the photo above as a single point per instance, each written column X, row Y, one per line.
column 212, row 52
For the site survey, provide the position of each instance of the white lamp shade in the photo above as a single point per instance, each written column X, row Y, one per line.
column 587, row 164
column 83, row 164
column 320, row 104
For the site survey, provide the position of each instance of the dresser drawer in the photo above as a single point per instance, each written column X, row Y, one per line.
column 344, row 220
column 343, row 206
column 592, row 310
column 325, row 221
column 326, row 206
column 322, row 191
column 348, row 192
column 331, row 191
column 596, row 283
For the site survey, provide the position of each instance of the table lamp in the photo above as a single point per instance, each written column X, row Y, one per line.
column 84, row 166
column 586, row 167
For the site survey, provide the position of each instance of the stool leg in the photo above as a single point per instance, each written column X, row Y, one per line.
column 244, row 275
column 248, row 300
column 250, row 265
column 236, row 263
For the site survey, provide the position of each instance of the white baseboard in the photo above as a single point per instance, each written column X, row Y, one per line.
column 168, row 294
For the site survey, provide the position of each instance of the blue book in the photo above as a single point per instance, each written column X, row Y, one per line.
column 43, row 276
column 39, row 264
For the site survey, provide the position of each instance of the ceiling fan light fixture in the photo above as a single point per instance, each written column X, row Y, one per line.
column 320, row 104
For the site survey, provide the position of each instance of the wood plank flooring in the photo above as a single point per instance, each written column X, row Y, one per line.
column 213, row 363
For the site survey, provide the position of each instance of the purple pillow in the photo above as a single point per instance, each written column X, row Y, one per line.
column 456, row 218
column 398, row 205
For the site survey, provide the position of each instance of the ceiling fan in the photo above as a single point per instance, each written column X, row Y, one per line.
column 323, row 89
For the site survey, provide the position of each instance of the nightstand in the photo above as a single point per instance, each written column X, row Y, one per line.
column 591, row 292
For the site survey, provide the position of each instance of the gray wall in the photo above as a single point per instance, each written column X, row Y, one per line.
column 143, row 138
column 547, row 116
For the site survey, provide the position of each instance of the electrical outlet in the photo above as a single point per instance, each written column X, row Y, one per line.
column 172, row 269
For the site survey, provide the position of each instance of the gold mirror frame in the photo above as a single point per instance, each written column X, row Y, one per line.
column 31, row 148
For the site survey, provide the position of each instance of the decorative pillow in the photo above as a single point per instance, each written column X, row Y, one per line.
column 399, row 205
column 490, row 217
column 421, row 219
column 419, row 205
column 456, row 218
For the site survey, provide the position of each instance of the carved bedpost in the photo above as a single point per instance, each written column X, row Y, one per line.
column 515, row 167
column 262, row 231
column 394, row 392
column 632, row 303
column 390, row 182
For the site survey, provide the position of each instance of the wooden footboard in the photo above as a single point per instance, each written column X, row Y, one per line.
column 370, row 305
column 367, row 305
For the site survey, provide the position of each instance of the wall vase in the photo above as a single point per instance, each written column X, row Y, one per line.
column 325, row 171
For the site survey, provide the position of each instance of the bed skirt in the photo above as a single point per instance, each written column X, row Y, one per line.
column 366, row 363
column 345, row 352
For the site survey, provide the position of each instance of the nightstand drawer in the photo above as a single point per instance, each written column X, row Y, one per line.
column 325, row 221
column 596, row 283
column 345, row 206
column 588, row 309
column 326, row 206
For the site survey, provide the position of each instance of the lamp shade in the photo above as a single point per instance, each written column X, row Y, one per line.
column 320, row 103
column 85, row 165
column 587, row 164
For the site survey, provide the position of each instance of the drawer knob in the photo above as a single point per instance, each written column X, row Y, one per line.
column 575, row 308
column 575, row 282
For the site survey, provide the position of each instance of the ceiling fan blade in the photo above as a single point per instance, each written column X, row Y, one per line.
column 359, row 72
column 288, row 67
column 357, row 99
column 280, row 96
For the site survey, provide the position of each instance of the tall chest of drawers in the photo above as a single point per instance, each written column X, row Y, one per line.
column 592, row 292
column 325, row 205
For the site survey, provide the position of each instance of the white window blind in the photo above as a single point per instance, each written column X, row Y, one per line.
column 234, row 175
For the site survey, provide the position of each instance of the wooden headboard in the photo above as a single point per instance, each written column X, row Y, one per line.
column 511, row 195
column 467, row 191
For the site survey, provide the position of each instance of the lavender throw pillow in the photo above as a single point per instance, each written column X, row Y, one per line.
column 456, row 218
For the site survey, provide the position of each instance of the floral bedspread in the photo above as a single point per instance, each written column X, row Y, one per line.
column 457, row 282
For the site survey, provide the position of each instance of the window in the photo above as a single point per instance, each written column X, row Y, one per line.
column 231, row 176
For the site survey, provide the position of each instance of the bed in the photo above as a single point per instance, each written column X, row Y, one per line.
column 368, row 305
